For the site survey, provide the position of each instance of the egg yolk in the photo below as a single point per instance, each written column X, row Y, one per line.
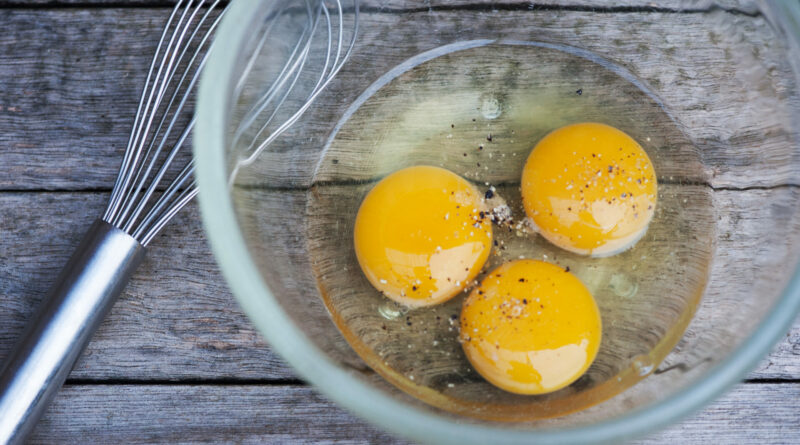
column 530, row 328
column 590, row 189
column 421, row 235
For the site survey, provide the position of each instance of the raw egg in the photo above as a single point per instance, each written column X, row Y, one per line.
column 530, row 327
column 589, row 188
column 421, row 235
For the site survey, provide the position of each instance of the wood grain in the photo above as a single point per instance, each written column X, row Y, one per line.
column 74, row 62
column 111, row 414
column 198, row 414
column 177, row 319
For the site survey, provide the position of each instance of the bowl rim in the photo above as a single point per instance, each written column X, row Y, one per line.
column 372, row 404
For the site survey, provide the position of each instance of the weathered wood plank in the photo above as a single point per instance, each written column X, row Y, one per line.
column 70, row 62
column 71, row 92
column 177, row 319
column 198, row 414
column 749, row 414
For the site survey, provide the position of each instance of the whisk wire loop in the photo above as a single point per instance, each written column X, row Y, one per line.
column 154, row 96
column 119, row 186
column 173, row 75
column 134, row 196
column 150, row 188
column 326, row 77
column 172, row 58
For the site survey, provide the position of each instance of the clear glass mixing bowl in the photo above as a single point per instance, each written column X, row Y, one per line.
column 711, row 92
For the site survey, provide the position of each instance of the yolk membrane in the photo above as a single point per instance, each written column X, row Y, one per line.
column 589, row 188
column 421, row 234
column 531, row 327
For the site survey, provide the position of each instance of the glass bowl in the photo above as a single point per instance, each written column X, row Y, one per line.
column 710, row 91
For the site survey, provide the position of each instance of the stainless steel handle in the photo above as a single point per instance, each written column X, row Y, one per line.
column 83, row 294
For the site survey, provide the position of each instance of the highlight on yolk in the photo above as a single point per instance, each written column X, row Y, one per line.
column 530, row 328
column 421, row 235
column 589, row 188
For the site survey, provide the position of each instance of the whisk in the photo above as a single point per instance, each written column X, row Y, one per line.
column 156, row 180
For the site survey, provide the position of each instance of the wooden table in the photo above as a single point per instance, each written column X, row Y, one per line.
column 176, row 360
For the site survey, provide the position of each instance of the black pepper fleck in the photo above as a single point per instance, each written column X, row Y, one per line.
column 489, row 194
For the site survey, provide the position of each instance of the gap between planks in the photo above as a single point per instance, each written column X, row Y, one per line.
column 201, row 414
column 395, row 7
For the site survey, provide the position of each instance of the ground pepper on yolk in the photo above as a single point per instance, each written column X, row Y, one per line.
column 589, row 188
column 531, row 327
column 421, row 235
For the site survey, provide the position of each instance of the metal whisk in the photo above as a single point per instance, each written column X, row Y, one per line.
column 156, row 180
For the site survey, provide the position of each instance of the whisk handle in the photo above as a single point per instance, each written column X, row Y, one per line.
column 83, row 294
